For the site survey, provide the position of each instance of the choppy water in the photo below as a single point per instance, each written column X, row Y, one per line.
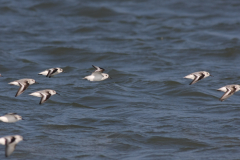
column 147, row 111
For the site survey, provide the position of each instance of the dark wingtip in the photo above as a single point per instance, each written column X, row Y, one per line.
column 94, row 67
column 192, row 82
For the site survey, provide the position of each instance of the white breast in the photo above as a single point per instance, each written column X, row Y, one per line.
column 190, row 76
column 36, row 94
column 223, row 89
column 14, row 83
column 44, row 72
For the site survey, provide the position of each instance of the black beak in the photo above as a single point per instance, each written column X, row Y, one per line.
column 211, row 75
column 58, row 94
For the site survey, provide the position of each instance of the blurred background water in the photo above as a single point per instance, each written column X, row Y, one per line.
column 147, row 111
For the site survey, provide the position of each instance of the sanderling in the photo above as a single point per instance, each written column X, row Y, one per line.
column 45, row 94
column 51, row 72
column 197, row 76
column 10, row 118
column 97, row 75
column 229, row 91
column 23, row 83
column 10, row 143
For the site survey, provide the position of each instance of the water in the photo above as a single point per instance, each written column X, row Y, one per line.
column 147, row 111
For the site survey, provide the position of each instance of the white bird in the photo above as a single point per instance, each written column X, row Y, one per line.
column 11, row 118
column 229, row 91
column 197, row 76
column 10, row 143
column 97, row 75
column 23, row 83
column 45, row 94
column 51, row 72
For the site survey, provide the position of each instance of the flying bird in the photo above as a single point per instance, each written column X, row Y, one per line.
column 229, row 91
column 97, row 75
column 23, row 83
column 10, row 143
column 44, row 94
column 197, row 76
column 51, row 72
column 11, row 118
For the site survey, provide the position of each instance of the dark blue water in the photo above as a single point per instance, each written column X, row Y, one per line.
column 147, row 111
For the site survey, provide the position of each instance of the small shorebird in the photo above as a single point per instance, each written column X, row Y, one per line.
column 197, row 76
column 229, row 91
column 11, row 118
column 51, row 72
column 23, row 83
column 10, row 143
column 97, row 75
column 45, row 94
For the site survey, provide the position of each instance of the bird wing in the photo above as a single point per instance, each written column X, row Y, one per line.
column 9, row 146
column 227, row 94
column 10, row 113
column 197, row 78
column 11, row 118
column 9, row 149
column 45, row 97
column 55, row 70
column 51, row 71
column 97, row 75
column 98, row 69
column 22, row 88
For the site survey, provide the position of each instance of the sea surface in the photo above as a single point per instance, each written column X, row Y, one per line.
column 147, row 111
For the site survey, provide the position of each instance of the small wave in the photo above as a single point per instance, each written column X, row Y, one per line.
column 176, row 141
column 93, row 12
column 63, row 127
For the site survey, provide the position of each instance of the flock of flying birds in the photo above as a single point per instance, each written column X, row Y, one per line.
column 228, row 89
column 10, row 142
column 98, row 75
